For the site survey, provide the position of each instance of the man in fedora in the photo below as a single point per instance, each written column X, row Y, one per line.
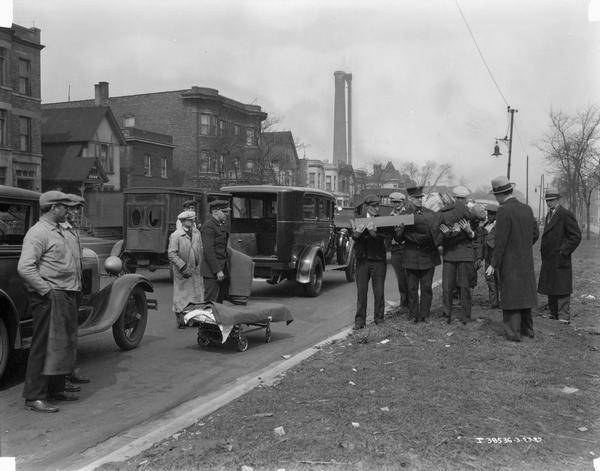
column 516, row 232
column 560, row 238
column 421, row 255
column 371, row 264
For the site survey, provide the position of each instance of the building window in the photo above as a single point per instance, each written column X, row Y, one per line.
column 221, row 128
column 204, row 161
column 236, row 131
column 129, row 122
column 163, row 167
column 3, row 142
column 25, row 179
column 3, row 176
column 24, row 77
column 311, row 179
column 3, row 65
column 328, row 182
column 147, row 165
column 106, row 158
column 250, row 137
column 208, row 125
column 24, row 134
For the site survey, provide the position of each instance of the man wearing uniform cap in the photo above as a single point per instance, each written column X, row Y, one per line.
column 489, row 237
column 185, row 254
column 397, row 199
column 215, row 261
column 421, row 255
column 371, row 264
column 516, row 232
column 51, row 272
column 560, row 238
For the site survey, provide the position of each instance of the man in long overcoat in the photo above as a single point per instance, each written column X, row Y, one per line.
column 516, row 232
column 215, row 262
column 421, row 254
column 185, row 254
column 560, row 238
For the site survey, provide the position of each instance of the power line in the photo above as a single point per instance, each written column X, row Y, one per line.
column 480, row 53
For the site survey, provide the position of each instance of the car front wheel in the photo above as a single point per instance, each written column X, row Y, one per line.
column 129, row 328
column 313, row 287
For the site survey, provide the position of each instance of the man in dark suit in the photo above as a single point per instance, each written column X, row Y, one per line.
column 421, row 254
column 560, row 238
column 215, row 259
column 489, row 241
column 397, row 249
column 516, row 232
column 371, row 264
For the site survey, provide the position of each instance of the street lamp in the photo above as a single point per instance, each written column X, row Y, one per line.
column 507, row 140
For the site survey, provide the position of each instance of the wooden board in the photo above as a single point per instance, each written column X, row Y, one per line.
column 386, row 221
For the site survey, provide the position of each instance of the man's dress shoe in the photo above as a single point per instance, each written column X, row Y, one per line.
column 78, row 378
column 70, row 387
column 39, row 405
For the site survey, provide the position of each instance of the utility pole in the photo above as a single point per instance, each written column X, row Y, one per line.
column 510, row 137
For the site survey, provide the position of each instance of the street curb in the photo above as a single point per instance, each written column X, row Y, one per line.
column 184, row 415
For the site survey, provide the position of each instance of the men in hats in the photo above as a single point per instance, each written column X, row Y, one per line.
column 189, row 205
column 215, row 262
column 560, row 238
column 421, row 254
column 459, row 253
column 398, row 199
column 371, row 264
column 185, row 254
column 516, row 232
column 489, row 241
column 51, row 271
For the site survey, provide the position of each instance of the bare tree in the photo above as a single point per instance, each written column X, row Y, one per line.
column 571, row 147
column 429, row 174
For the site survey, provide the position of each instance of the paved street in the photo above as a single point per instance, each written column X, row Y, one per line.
column 167, row 369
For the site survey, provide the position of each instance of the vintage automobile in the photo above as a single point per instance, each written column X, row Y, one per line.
column 120, row 305
column 149, row 217
column 290, row 234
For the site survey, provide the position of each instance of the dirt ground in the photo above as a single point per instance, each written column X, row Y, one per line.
column 427, row 396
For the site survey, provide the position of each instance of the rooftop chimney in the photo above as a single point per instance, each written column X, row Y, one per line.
column 101, row 93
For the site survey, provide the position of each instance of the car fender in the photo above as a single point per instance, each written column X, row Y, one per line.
column 306, row 261
column 8, row 311
column 117, row 248
column 107, row 305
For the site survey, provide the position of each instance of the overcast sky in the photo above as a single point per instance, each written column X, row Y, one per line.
column 420, row 89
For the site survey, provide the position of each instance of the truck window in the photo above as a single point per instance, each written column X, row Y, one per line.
column 308, row 208
column 135, row 217
column 248, row 208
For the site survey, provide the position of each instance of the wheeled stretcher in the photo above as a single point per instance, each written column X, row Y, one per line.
column 220, row 323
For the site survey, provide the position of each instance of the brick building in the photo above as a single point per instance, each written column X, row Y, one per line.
column 216, row 139
column 20, row 107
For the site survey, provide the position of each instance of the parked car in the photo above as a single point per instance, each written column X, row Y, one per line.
column 121, row 305
column 290, row 234
column 149, row 218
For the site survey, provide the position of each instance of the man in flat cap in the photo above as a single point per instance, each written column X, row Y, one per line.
column 371, row 264
column 560, row 238
column 215, row 261
column 398, row 199
column 51, row 272
column 459, row 253
column 421, row 254
column 189, row 205
column 185, row 254
column 516, row 232
column 489, row 242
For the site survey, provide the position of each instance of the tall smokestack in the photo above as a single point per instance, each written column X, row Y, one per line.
column 349, row 82
column 340, row 150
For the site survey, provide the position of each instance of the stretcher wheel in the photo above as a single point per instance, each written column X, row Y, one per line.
column 203, row 340
column 268, row 334
column 242, row 343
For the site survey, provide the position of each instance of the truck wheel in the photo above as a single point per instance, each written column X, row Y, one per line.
column 4, row 347
column 129, row 263
column 242, row 343
column 129, row 328
column 313, row 287
column 351, row 269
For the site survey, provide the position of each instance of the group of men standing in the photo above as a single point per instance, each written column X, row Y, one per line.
column 465, row 235
column 199, row 257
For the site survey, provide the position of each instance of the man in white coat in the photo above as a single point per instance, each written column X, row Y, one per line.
column 185, row 255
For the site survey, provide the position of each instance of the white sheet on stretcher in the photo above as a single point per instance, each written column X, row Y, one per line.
column 206, row 316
